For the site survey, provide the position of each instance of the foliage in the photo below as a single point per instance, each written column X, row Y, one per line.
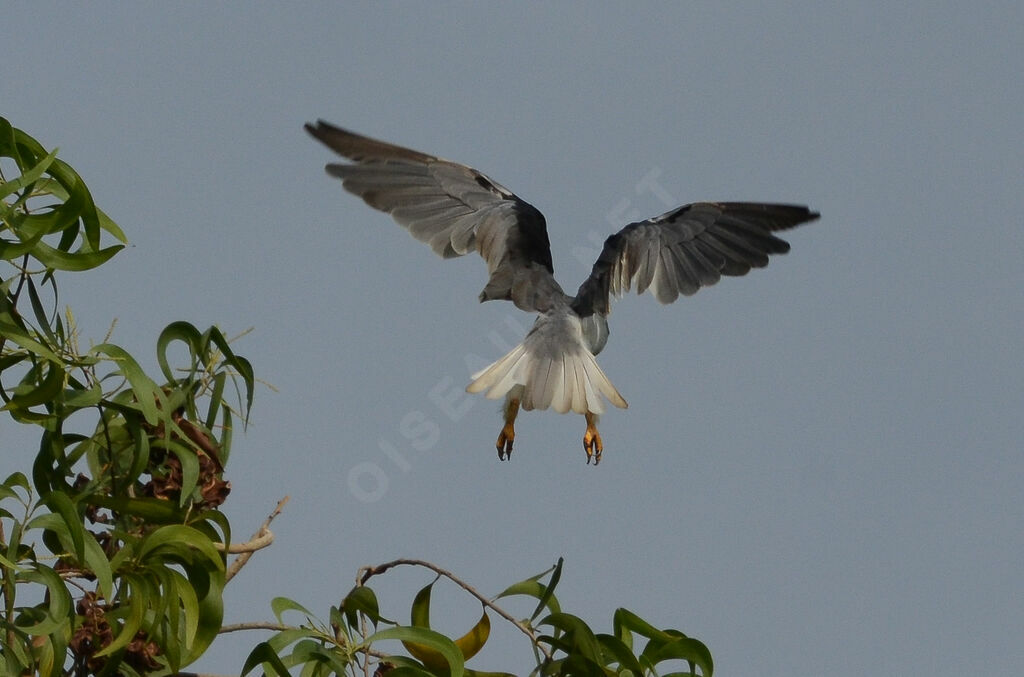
column 113, row 548
column 563, row 644
column 112, row 557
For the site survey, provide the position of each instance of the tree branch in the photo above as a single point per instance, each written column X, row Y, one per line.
column 258, row 542
column 254, row 544
column 366, row 573
column 253, row 625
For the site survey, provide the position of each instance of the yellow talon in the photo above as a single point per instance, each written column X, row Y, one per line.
column 507, row 436
column 592, row 440
column 505, row 439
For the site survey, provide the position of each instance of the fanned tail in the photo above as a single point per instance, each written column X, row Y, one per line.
column 561, row 381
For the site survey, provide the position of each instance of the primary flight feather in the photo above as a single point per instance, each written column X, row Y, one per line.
column 456, row 210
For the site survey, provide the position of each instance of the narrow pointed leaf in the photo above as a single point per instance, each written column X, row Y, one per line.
column 263, row 654
column 420, row 614
column 73, row 261
column 622, row 653
column 147, row 393
column 532, row 588
column 35, row 394
column 154, row 510
column 362, row 599
column 177, row 331
column 625, row 620
column 28, row 176
column 428, row 638
column 181, row 540
column 471, row 642
column 60, row 504
column 685, row 648
column 279, row 605
column 59, row 601
column 549, row 589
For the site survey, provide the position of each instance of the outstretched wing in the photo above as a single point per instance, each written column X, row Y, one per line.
column 453, row 208
column 686, row 249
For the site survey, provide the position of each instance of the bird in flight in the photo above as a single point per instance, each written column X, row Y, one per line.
column 456, row 210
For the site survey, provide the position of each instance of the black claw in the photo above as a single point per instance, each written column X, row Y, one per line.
column 505, row 451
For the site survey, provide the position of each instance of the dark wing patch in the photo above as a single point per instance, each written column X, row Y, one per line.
column 686, row 249
column 453, row 208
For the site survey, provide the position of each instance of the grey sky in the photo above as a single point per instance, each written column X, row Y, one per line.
column 820, row 470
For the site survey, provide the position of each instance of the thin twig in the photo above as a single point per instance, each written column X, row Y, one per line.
column 365, row 573
column 366, row 656
column 253, row 625
column 241, row 560
column 257, row 543
column 281, row 627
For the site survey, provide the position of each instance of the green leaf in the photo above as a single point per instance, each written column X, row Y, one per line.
column 279, row 605
column 216, row 398
column 60, row 504
column 531, row 588
column 16, row 659
column 283, row 638
column 28, row 176
column 16, row 479
column 138, row 598
column 42, row 319
column 50, row 656
column 263, row 654
column 625, row 621
column 97, row 562
column 420, row 613
column 623, row 654
column 240, row 364
column 82, row 398
column 81, row 199
column 189, row 469
column 107, row 224
column 425, row 637
column 178, row 331
column 315, row 657
column 578, row 635
column 153, row 510
column 58, row 611
column 186, row 593
column 147, row 393
column 549, row 590
column 54, row 523
column 76, row 261
column 48, row 186
column 214, row 524
column 8, row 564
column 471, row 642
column 181, row 541
column 680, row 647
column 226, row 427
column 14, row 334
column 211, row 615
column 13, row 250
column 34, row 391
column 362, row 599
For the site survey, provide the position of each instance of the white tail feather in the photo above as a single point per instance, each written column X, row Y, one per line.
column 560, row 381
